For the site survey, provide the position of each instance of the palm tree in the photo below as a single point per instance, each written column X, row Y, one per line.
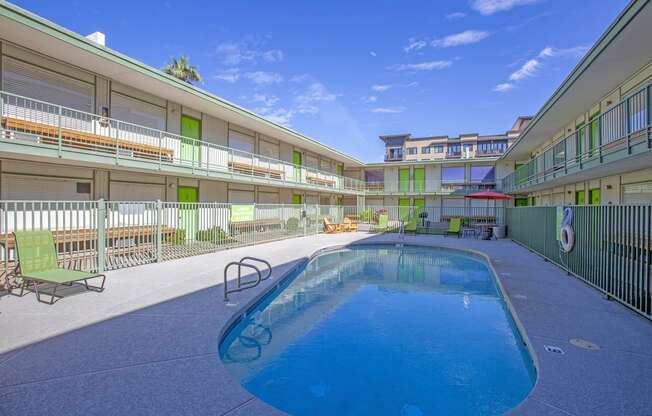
column 181, row 69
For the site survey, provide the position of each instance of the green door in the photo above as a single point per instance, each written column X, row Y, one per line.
column 594, row 196
column 580, row 198
column 296, row 199
column 340, row 169
column 579, row 143
column 419, row 206
column 594, row 140
column 520, row 202
column 404, row 180
column 191, row 134
column 403, row 208
column 296, row 160
column 187, row 196
column 419, row 180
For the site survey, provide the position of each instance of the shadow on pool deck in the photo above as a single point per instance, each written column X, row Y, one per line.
column 162, row 358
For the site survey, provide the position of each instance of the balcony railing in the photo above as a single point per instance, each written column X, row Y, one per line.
column 624, row 130
column 489, row 152
column 393, row 157
column 44, row 124
column 427, row 186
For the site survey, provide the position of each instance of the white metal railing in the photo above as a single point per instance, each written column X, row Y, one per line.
column 40, row 123
column 624, row 127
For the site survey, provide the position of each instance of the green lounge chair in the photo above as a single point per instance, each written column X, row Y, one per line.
column 454, row 227
column 37, row 265
column 411, row 226
column 383, row 223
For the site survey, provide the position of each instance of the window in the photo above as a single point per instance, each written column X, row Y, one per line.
column 468, row 147
column 394, row 153
column 483, row 174
column 426, row 149
column 136, row 111
column 454, row 149
column 241, row 141
column 453, row 174
column 492, row 147
column 412, row 150
column 438, row 148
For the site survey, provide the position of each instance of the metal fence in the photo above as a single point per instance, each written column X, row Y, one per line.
column 106, row 235
column 613, row 247
column 43, row 124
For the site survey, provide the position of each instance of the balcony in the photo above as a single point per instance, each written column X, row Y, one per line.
column 453, row 155
column 47, row 129
column 620, row 133
column 394, row 155
column 416, row 188
column 489, row 152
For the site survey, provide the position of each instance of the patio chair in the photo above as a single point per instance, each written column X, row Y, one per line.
column 383, row 223
column 411, row 226
column 349, row 225
column 331, row 228
column 454, row 227
column 37, row 265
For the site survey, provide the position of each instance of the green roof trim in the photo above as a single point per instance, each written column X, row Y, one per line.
column 625, row 17
column 22, row 16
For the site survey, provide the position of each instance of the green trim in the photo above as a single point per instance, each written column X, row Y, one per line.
column 26, row 18
column 625, row 17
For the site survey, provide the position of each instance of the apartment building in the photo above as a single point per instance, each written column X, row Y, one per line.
column 81, row 122
column 438, row 171
column 590, row 142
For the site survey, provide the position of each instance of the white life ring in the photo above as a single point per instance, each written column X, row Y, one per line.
column 567, row 238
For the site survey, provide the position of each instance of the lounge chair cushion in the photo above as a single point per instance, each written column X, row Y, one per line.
column 59, row 276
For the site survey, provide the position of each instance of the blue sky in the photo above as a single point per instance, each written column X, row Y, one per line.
column 344, row 72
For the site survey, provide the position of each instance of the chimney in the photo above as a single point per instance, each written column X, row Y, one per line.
column 97, row 37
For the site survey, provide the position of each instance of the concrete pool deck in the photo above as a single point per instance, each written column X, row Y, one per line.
column 148, row 344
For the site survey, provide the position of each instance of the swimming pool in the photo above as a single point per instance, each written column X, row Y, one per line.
column 383, row 330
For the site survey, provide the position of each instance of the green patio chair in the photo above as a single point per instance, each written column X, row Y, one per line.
column 37, row 265
column 454, row 227
column 411, row 226
column 383, row 223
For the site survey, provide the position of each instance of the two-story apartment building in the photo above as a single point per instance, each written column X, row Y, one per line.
column 80, row 121
column 437, row 171
column 590, row 142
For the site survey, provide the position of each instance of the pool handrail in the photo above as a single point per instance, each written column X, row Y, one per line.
column 249, row 285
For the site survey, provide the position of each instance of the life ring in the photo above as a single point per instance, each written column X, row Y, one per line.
column 567, row 238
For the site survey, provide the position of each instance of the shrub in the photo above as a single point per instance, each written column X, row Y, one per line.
column 367, row 216
column 292, row 224
column 178, row 238
column 214, row 234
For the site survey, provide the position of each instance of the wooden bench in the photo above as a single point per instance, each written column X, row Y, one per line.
column 84, row 238
column 321, row 181
column 261, row 225
column 256, row 170
column 475, row 218
column 88, row 141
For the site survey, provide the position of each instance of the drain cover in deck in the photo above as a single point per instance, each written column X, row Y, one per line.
column 553, row 349
column 582, row 343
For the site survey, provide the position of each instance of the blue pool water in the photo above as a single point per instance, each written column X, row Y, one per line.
column 383, row 330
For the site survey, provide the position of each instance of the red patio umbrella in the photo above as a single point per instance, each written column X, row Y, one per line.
column 488, row 194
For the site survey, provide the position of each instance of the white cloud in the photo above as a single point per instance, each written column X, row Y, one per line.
column 280, row 116
column 272, row 55
column 463, row 38
column 415, row 45
column 489, row 7
column 532, row 66
column 504, row 87
column 575, row 52
column 528, row 69
column 266, row 100
column 456, row 15
column 372, row 53
column 246, row 51
column 369, row 99
column 388, row 110
column 263, row 78
column 316, row 93
column 423, row 66
column 230, row 75
column 381, row 87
